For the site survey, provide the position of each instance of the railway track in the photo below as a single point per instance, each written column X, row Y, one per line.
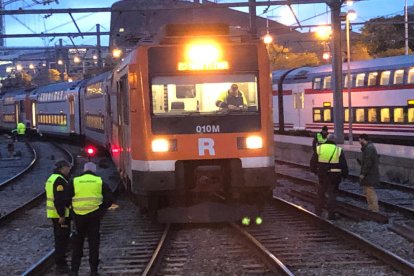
column 18, row 185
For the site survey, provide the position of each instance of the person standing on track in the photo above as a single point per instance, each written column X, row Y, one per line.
column 90, row 196
column 57, row 210
column 329, row 163
column 369, row 176
column 320, row 138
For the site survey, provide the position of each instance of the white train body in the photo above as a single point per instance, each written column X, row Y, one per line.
column 382, row 94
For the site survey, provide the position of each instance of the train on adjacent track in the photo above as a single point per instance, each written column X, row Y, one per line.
column 382, row 98
column 177, row 152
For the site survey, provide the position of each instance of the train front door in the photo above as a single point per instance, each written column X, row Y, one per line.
column 72, row 113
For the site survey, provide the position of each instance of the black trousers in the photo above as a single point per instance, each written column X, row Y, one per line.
column 327, row 192
column 61, row 233
column 86, row 226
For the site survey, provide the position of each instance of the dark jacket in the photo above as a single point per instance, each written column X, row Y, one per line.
column 62, row 198
column 107, row 194
column 369, row 165
column 322, row 169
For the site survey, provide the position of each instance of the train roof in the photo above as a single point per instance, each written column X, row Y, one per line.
column 61, row 86
column 98, row 78
column 305, row 73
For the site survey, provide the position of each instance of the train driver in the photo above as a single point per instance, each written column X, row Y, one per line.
column 232, row 99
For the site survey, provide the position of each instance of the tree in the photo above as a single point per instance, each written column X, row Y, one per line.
column 381, row 34
column 393, row 52
column 359, row 51
column 282, row 58
column 46, row 76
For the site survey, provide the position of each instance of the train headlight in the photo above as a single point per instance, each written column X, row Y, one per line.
column 164, row 145
column 254, row 142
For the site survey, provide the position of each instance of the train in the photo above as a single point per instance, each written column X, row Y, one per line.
column 179, row 155
column 382, row 98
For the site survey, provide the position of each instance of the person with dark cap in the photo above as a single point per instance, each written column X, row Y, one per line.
column 57, row 203
column 369, row 176
column 329, row 163
column 90, row 197
column 320, row 138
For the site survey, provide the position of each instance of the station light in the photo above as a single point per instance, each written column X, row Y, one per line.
column 31, row 66
column 267, row 39
column 60, row 62
column 116, row 53
column 76, row 59
column 326, row 56
column 323, row 32
column 94, row 57
column 19, row 67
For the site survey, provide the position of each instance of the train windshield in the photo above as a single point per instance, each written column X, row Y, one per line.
column 185, row 95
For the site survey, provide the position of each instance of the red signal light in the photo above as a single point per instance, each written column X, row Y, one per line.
column 90, row 150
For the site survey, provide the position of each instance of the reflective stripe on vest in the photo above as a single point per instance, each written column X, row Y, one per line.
column 328, row 153
column 320, row 138
column 88, row 194
column 50, row 205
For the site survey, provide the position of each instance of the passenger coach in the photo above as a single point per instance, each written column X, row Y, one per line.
column 171, row 141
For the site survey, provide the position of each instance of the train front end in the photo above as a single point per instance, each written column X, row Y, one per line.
column 194, row 159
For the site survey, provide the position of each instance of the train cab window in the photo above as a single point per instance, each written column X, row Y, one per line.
column 359, row 80
column 359, row 115
column 372, row 78
column 410, row 114
column 410, row 78
column 317, row 117
column 317, row 83
column 399, row 76
column 327, row 82
column 372, row 115
column 398, row 115
column 385, row 78
column 175, row 95
column 327, row 115
column 385, row 115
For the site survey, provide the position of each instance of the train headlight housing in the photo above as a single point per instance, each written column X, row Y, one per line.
column 164, row 145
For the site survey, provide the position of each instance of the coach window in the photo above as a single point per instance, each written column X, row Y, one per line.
column 359, row 81
column 372, row 78
column 359, row 115
column 327, row 115
column 398, row 115
column 385, row 115
column 399, row 76
column 410, row 114
column 317, row 83
column 410, row 78
column 346, row 80
column 372, row 115
column 385, row 78
column 317, row 115
column 327, row 82
column 346, row 115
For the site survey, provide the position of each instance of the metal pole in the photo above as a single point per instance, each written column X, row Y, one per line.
column 60, row 57
column 349, row 82
column 406, row 27
column 2, row 23
column 98, row 45
column 252, row 15
column 337, row 71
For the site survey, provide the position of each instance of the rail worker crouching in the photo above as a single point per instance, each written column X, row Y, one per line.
column 57, row 210
column 90, row 197
column 369, row 176
column 330, row 164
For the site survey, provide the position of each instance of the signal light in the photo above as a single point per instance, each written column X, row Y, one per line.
column 90, row 151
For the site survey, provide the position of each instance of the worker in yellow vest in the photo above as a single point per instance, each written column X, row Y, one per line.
column 57, row 202
column 329, row 163
column 320, row 138
column 90, row 197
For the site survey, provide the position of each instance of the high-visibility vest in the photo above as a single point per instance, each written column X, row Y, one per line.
column 50, row 205
column 88, row 194
column 21, row 129
column 328, row 153
column 320, row 138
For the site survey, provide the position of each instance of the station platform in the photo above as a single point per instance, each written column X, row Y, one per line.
column 396, row 162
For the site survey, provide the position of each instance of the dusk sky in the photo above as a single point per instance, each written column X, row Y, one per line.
column 307, row 14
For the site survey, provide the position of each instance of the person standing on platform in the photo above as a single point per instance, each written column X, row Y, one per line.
column 369, row 176
column 90, row 196
column 329, row 163
column 57, row 210
column 320, row 138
